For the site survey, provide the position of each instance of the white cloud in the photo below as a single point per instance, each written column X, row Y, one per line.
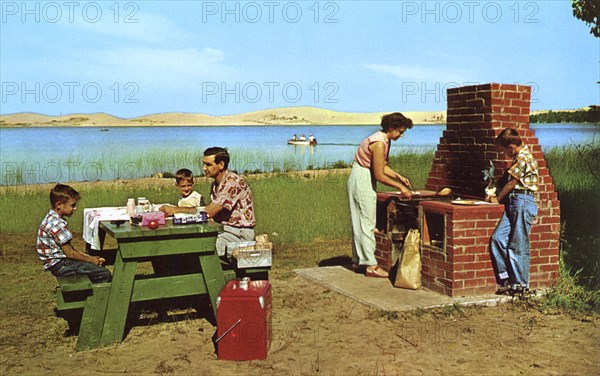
column 143, row 27
column 166, row 68
column 153, row 69
column 187, row 61
column 421, row 74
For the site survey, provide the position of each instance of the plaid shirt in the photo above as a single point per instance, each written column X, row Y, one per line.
column 53, row 233
column 525, row 170
column 235, row 196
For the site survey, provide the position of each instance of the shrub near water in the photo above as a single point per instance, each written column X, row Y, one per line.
column 414, row 166
column 300, row 209
column 576, row 173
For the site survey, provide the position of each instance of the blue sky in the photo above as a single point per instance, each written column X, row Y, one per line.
column 227, row 57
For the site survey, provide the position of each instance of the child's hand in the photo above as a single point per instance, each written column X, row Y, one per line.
column 491, row 199
column 167, row 209
column 99, row 260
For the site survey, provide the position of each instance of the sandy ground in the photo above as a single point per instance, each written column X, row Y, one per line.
column 317, row 331
column 277, row 116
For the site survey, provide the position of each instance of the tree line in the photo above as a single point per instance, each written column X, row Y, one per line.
column 590, row 115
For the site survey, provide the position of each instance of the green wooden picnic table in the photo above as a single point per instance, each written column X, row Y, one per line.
column 105, row 311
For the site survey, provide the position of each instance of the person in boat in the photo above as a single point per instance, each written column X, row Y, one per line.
column 302, row 138
column 295, row 138
column 312, row 139
column 371, row 166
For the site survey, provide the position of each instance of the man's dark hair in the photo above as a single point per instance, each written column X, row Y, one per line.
column 62, row 193
column 220, row 154
column 395, row 120
column 507, row 137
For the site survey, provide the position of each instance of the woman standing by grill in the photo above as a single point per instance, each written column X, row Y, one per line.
column 371, row 166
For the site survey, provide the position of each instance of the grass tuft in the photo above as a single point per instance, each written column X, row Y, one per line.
column 570, row 294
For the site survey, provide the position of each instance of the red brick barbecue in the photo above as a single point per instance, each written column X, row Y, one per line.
column 455, row 238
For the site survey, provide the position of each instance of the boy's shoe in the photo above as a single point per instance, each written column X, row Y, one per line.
column 504, row 289
column 521, row 291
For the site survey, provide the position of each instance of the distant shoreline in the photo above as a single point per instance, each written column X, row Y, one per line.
column 288, row 116
column 280, row 116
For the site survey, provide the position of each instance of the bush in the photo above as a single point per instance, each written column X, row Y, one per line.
column 570, row 294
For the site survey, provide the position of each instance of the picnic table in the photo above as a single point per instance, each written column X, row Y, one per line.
column 106, row 305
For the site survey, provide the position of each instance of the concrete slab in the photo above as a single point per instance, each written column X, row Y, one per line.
column 381, row 294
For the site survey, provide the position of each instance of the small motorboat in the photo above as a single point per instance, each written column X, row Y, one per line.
column 311, row 141
column 104, row 129
column 302, row 142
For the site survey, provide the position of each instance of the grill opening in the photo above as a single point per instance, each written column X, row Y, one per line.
column 434, row 231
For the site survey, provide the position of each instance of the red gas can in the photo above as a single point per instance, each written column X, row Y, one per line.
column 244, row 328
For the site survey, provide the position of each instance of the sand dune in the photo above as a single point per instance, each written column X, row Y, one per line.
column 278, row 116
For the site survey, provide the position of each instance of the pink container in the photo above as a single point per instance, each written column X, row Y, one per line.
column 154, row 216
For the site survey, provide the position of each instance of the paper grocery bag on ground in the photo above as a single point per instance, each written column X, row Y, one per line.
column 409, row 265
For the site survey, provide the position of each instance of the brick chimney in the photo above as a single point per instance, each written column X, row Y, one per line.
column 476, row 115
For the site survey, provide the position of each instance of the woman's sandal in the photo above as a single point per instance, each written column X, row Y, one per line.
column 376, row 272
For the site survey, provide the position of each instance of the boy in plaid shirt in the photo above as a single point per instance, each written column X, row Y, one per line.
column 509, row 244
column 54, row 246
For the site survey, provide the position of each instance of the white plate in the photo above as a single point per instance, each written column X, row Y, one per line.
column 469, row 202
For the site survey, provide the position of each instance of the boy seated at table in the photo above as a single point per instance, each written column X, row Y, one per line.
column 54, row 246
column 189, row 200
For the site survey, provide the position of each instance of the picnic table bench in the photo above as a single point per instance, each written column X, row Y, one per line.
column 104, row 306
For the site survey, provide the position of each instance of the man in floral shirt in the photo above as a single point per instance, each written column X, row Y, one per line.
column 232, row 203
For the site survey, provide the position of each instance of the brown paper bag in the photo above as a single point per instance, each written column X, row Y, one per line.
column 409, row 265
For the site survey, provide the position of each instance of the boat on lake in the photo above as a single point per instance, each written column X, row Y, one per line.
column 312, row 140
column 104, row 129
column 305, row 142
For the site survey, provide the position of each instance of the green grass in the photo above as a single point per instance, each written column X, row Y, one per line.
column 26, row 207
column 414, row 166
column 135, row 164
column 576, row 173
column 570, row 294
column 297, row 209
column 301, row 209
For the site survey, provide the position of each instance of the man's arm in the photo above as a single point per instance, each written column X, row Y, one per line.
column 213, row 209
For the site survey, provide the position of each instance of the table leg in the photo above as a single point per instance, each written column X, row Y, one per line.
column 213, row 278
column 101, row 237
column 92, row 320
column 119, row 300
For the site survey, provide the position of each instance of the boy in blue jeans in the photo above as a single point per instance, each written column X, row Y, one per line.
column 509, row 245
column 54, row 246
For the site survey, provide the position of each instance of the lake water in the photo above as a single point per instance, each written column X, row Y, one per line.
column 41, row 155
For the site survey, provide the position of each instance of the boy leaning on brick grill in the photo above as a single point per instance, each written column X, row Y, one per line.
column 509, row 244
